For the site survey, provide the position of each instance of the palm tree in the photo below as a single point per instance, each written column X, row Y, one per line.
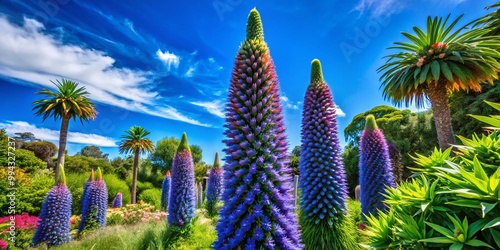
column 135, row 141
column 491, row 21
column 438, row 62
column 69, row 101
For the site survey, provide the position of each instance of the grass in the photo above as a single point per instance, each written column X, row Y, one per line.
column 147, row 236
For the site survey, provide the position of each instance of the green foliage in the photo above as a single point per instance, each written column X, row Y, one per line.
column 44, row 150
column 464, row 103
column 200, row 171
column 116, row 185
column 75, row 183
column 147, row 173
column 408, row 132
column 151, row 196
column 161, row 159
column 30, row 193
column 122, row 166
column 452, row 202
column 26, row 159
column 91, row 224
column 83, row 164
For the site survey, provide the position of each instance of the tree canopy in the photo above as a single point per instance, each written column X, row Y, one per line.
column 165, row 149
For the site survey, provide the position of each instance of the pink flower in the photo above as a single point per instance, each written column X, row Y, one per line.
column 420, row 61
column 3, row 245
column 430, row 51
column 439, row 45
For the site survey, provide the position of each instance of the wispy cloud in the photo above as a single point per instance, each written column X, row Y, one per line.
column 190, row 72
column 339, row 112
column 289, row 104
column 214, row 107
column 28, row 54
column 12, row 127
column 170, row 59
column 378, row 8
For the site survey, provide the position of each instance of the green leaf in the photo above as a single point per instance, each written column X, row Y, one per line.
column 423, row 74
column 493, row 223
column 443, row 240
column 465, row 203
column 456, row 246
column 444, row 231
column 486, row 207
column 435, row 69
column 424, row 206
column 478, row 243
column 479, row 171
column 446, row 71
column 496, row 236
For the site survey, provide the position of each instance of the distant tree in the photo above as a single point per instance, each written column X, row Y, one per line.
column 463, row 104
column 44, row 150
column 296, row 151
column 200, row 170
column 82, row 164
column 69, row 101
column 294, row 160
column 26, row 136
column 26, row 159
column 164, row 152
column 135, row 141
column 122, row 166
column 94, row 152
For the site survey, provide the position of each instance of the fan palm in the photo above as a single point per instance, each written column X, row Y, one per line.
column 69, row 101
column 437, row 62
column 135, row 141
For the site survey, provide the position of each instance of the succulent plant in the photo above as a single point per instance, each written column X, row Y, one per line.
column 94, row 202
column 54, row 226
column 117, row 201
column 258, row 208
column 165, row 191
column 182, row 200
column 322, row 175
column 375, row 170
column 214, row 187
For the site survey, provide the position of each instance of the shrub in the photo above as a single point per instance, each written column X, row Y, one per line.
column 25, row 226
column 182, row 201
column 451, row 203
column 135, row 213
column 26, row 159
column 151, row 196
column 322, row 175
column 258, row 210
column 375, row 170
column 54, row 225
column 76, row 182
column 116, row 185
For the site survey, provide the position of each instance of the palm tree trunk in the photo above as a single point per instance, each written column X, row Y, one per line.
column 134, row 176
column 63, row 138
column 442, row 116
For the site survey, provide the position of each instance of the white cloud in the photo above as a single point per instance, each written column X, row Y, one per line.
column 12, row 127
column 379, row 8
column 339, row 112
column 170, row 59
column 28, row 54
column 190, row 72
column 214, row 107
column 289, row 104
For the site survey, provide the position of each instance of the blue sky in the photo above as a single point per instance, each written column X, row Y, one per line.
column 166, row 65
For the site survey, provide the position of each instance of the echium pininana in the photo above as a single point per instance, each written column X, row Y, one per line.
column 94, row 202
column 375, row 170
column 182, row 200
column 322, row 175
column 214, row 187
column 165, row 191
column 117, row 201
column 54, row 226
column 258, row 208
column 86, row 202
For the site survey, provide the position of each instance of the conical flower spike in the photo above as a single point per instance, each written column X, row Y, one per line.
column 258, row 210
column 214, row 187
column 165, row 191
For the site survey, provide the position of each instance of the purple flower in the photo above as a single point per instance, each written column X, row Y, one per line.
column 256, row 154
column 54, row 226
column 117, row 202
column 165, row 191
column 214, row 187
column 94, row 201
column 375, row 169
column 182, row 200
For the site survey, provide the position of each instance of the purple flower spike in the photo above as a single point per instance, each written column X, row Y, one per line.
column 53, row 222
column 375, row 169
column 182, row 200
column 257, row 194
column 165, row 191
column 214, row 187
column 117, row 202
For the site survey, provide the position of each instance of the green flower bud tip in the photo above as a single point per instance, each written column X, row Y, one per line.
column 217, row 161
column 91, row 177
column 62, row 176
column 99, row 174
column 184, row 145
column 316, row 72
column 254, row 26
column 370, row 124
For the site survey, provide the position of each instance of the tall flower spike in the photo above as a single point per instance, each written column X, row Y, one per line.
column 94, row 202
column 322, row 175
column 182, row 200
column 117, row 201
column 86, row 201
column 165, row 191
column 214, row 187
column 54, row 226
column 375, row 170
column 258, row 210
